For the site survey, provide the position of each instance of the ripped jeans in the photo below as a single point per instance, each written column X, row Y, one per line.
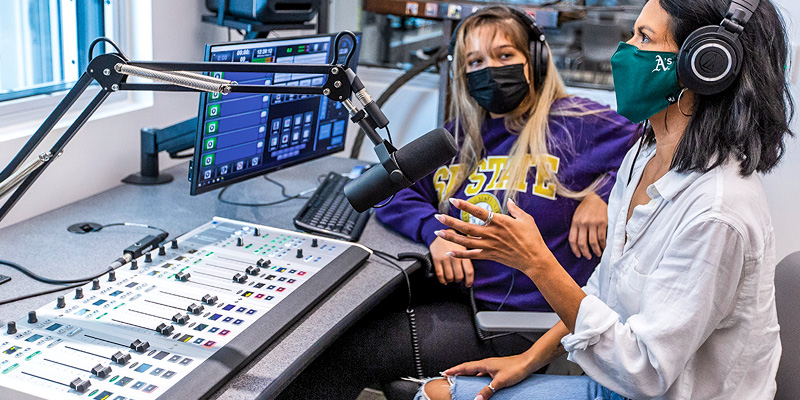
column 536, row 387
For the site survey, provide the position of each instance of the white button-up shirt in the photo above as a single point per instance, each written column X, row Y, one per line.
column 682, row 305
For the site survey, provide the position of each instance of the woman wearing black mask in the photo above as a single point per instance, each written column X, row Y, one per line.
column 558, row 153
column 520, row 130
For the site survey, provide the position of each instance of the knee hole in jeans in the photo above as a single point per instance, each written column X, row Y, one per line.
column 437, row 389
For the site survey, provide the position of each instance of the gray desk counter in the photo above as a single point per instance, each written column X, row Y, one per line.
column 43, row 245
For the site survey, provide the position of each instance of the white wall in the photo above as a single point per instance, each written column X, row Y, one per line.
column 107, row 149
column 411, row 110
column 783, row 185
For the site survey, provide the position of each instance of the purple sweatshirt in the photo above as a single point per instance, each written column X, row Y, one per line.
column 598, row 144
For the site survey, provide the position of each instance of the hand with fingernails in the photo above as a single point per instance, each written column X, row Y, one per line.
column 504, row 371
column 587, row 232
column 449, row 269
column 513, row 240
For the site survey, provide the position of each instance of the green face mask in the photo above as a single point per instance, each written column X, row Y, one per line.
column 645, row 82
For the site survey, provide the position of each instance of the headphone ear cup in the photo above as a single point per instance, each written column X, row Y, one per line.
column 544, row 62
column 536, row 63
column 709, row 60
column 540, row 57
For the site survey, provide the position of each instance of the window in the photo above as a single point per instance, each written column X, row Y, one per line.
column 45, row 43
column 582, row 34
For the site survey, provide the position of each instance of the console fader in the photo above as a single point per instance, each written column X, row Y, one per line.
column 177, row 322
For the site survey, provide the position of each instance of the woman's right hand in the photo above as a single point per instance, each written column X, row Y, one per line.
column 505, row 371
column 450, row 269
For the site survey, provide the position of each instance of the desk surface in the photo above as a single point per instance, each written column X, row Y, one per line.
column 43, row 245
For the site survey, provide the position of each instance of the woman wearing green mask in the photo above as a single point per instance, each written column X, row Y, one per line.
column 682, row 304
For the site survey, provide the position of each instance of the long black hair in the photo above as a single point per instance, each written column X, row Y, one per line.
column 748, row 121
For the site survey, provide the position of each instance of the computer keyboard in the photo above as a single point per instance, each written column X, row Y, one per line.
column 329, row 213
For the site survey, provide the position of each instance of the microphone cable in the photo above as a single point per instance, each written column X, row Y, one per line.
column 37, row 294
column 50, row 281
column 302, row 195
column 73, row 283
column 109, row 41
column 101, row 227
column 412, row 316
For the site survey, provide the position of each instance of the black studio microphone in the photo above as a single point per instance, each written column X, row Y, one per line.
column 405, row 166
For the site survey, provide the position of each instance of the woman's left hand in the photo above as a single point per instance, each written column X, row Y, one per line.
column 587, row 234
column 511, row 240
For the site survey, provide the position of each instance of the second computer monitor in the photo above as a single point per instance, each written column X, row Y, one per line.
column 242, row 135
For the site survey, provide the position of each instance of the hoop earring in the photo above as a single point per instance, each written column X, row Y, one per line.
column 679, row 103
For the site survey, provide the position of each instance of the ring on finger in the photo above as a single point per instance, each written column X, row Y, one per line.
column 492, row 389
column 489, row 218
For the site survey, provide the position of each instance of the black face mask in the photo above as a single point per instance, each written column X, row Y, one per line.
column 499, row 90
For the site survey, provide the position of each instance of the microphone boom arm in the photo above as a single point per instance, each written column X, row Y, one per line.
column 111, row 71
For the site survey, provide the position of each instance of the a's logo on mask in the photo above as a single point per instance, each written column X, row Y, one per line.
column 662, row 64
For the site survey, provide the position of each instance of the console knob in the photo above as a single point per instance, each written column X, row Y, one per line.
column 209, row 299
column 32, row 317
column 299, row 253
column 251, row 270
column 12, row 327
column 174, row 243
column 100, row 371
column 165, row 329
column 162, row 251
column 121, row 358
column 183, row 276
column 240, row 241
column 139, row 346
column 256, row 232
column 180, row 319
column 314, row 242
column 95, row 284
column 239, row 278
column 79, row 293
column 148, row 258
column 80, row 385
column 112, row 276
column 61, row 302
column 194, row 308
column 134, row 264
column 263, row 263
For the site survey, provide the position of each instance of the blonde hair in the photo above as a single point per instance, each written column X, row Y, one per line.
column 530, row 120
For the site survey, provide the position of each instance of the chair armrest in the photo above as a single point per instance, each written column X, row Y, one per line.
column 516, row 321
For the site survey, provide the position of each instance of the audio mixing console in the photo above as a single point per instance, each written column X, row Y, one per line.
column 178, row 321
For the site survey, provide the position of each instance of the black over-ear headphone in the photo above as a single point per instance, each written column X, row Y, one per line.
column 711, row 57
column 540, row 57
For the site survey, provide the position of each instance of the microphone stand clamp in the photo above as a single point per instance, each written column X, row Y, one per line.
column 385, row 152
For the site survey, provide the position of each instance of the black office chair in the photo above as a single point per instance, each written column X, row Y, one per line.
column 787, row 281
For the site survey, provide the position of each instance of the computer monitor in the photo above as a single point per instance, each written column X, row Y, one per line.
column 243, row 135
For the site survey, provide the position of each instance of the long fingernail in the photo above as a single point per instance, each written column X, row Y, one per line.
column 439, row 234
column 454, row 202
column 479, row 397
column 439, row 217
column 512, row 201
column 450, row 254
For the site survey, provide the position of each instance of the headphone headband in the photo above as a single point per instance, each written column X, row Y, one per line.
column 746, row 8
column 540, row 57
